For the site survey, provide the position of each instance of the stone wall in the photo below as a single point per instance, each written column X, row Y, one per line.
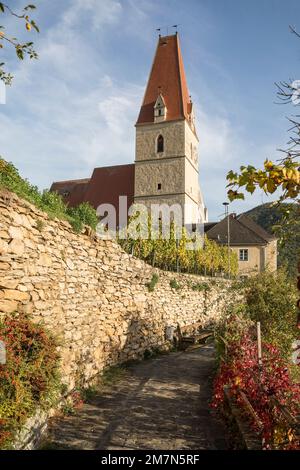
column 90, row 293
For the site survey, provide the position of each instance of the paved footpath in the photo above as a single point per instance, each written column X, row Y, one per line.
column 161, row 403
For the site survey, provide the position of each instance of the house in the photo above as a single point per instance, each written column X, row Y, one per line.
column 165, row 170
column 256, row 249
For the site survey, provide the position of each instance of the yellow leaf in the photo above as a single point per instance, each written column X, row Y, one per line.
column 290, row 435
column 237, row 381
column 28, row 26
column 268, row 165
column 271, row 186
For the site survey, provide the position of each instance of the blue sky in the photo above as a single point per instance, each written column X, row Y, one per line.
column 75, row 107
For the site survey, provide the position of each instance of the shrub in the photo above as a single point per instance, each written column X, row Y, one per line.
column 240, row 372
column 84, row 214
column 47, row 201
column 231, row 328
column 271, row 299
column 30, row 377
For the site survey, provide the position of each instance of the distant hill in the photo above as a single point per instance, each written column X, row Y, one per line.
column 270, row 217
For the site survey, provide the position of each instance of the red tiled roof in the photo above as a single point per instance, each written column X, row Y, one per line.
column 167, row 77
column 73, row 191
column 108, row 183
column 104, row 187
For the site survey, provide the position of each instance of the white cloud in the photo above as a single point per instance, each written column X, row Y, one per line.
column 65, row 114
column 101, row 12
column 223, row 147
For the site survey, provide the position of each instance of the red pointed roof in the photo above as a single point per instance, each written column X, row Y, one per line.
column 167, row 77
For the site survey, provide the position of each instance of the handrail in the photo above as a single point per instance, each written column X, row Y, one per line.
column 251, row 409
column 292, row 420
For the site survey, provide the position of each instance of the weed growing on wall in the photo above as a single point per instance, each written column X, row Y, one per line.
column 174, row 284
column 154, row 280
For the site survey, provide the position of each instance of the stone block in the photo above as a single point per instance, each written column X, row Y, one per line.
column 16, row 246
column 44, row 260
column 16, row 232
column 13, row 294
column 8, row 306
column 3, row 247
column 8, row 283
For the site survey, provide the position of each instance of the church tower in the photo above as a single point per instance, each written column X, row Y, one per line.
column 166, row 162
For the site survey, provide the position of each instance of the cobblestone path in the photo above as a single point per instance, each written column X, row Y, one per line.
column 161, row 403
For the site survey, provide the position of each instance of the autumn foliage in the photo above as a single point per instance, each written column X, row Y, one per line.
column 30, row 377
column 268, row 388
column 171, row 254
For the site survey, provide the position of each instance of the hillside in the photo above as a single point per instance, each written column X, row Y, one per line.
column 270, row 218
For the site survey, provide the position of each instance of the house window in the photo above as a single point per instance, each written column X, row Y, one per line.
column 160, row 144
column 243, row 255
column 159, row 186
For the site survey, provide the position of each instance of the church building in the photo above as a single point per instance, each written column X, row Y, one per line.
column 165, row 170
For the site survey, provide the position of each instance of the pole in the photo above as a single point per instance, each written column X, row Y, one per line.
column 226, row 204
column 228, row 242
column 259, row 349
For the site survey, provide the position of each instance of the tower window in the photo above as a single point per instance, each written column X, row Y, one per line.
column 159, row 186
column 160, row 144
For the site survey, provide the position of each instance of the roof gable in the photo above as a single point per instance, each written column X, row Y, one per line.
column 240, row 233
column 160, row 102
column 258, row 229
column 105, row 186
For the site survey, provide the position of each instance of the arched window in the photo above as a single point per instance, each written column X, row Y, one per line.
column 160, row 144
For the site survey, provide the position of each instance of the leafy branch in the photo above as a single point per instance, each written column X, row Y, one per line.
column 22, row 49
column 283, row 174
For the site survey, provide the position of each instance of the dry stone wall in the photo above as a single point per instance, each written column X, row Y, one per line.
column 90, row 293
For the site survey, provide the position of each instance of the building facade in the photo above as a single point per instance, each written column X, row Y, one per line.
column 256, row 249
